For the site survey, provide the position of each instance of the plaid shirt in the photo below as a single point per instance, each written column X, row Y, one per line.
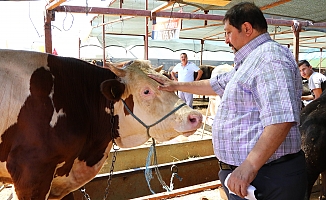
column 264, row 88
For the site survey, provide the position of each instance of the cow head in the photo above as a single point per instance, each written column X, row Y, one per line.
column 149, row 104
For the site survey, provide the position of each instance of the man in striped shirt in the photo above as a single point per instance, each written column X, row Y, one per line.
column 256, row 129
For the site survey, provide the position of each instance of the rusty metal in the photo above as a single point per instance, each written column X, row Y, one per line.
column 136, row 157
column 49, row 15
column 131, row 183
column 148, row 13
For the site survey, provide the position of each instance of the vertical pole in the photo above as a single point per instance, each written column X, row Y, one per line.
column 79, row 43
column 296, row 28
column 206, row 12
column 201, row 51
column 103, row 40
column 320, row 59
column 146, row 34
column 47, row 31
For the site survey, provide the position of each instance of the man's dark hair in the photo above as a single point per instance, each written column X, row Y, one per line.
column 246, row 12
column 304, row 62
column 184, row 54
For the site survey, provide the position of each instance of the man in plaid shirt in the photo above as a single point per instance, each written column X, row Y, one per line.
column 256, row 129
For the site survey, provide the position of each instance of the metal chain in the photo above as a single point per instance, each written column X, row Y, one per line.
column 114, row 158
column 83, row 191
column 115, row 148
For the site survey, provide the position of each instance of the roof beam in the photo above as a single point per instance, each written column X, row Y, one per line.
column 137, row 13
column 54, row 3
column 164, row 6
column 204, row 26
column 277, row 3
column 147, row 13
column 210, row 2
column 211, row 37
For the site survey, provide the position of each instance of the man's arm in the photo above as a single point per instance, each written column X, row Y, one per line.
column 271, row 138
column 199, row 74
column 317, row 92
column 173, row 75
column 307, row 97
column 202, row 87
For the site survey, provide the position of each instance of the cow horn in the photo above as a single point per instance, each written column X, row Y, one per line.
column 158, row 69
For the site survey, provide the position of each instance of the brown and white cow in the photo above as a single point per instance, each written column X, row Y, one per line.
column 55, row 122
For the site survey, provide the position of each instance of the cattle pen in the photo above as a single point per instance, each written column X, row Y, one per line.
column 192, row 159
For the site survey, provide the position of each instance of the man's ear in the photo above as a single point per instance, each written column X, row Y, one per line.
column 247, row 28
column 112, row 89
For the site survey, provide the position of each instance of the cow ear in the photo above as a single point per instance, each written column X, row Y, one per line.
column 116, row 69
column 158, row 69
column 112, row 89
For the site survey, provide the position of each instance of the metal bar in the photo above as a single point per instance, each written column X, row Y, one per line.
column 183, row 191
column 146, row 34
column 130, row 184
column 54, row 4
column 48, row 31
column 136, row 157
column 103, row 40
column 147, row 13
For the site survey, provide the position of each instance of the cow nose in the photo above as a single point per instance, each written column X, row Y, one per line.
column 195, row 119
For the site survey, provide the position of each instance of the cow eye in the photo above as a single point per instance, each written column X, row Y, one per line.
column 146, row 92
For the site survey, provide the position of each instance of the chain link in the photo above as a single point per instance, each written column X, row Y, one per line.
column 83, row 191
column 114, row 158
column 115, row 148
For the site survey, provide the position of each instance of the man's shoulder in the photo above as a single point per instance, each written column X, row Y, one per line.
column 191, row 64
column 318, row 75
column 176, row 67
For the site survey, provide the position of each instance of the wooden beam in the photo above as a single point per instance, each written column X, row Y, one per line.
column 54, row 3
column 164, row 6
column 204, row 26
column 183, row 191
column 214, row 35
column 274, row 4
column 210, row 2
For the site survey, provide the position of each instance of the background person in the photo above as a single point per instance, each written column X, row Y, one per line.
column 256, row 129
column 315, row 80
column 185, row 70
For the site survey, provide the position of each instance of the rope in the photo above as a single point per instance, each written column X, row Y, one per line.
column 149, row 126
column 152, row 150
column 148, row 171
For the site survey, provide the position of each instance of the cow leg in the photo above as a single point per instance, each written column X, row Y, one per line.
column 312, row 177
column 31, row 178
column 323, row 186
column 69, row 196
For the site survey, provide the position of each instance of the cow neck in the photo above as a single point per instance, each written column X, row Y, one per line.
column 152, row 149
column 149, row 126
column 114, row 158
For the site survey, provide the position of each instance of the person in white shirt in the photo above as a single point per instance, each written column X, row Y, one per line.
column 185, row 70
column 315, row 80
